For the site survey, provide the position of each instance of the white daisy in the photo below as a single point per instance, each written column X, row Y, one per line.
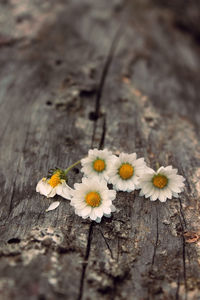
column 92, row 199
column 163, row 184
column 125, row 171
column 56, row 184
column 97, row 163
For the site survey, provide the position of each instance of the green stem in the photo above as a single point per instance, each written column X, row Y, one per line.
column 157, row 165
column 71, row 167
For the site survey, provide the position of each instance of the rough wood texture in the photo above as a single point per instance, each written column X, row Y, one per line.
column 134, row 65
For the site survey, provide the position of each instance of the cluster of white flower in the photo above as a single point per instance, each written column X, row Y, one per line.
column 93, row 199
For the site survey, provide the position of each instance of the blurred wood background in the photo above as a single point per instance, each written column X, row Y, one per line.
column 122, row 75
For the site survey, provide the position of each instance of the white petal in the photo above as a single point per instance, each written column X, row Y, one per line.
column 141, row 193
column 145, row 178
column 175, row 195
column 160, row 170
column 86, row 211
column 43, row 187
column 64, row 190
column 174, row 188
column 99, row 212
column 66, row 193
column 152, row 191
column 133, row 156
column 120, row 186
column 52, row 193
column 80, row 205
column 113, row 208
column 107, row 215
column 98, row 220
column 168, row 193
column 140, row 162
column 155, row 195
column 93, row 215
column 147, row 187
column 112, row 194
column 53, row 206
column 107, row 210
column 162, row 197
column 38, row 186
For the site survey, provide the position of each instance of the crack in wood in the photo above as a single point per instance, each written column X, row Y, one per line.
column 107, row 244
column 178, row 287
column 106, row 69
column 156, row 242
column 102, row 83
column 85, row 261
column 101, row 143
column 183, row 253
column 147, row 34
column 182, row 213
column 183, row 228
column 11, row 200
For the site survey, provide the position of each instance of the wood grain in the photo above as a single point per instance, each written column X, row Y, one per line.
column 117, row 75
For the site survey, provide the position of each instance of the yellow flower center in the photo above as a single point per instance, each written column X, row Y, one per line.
column 55, row 180
column 126, row 171
column 160, row 181
column 99, row 165
column 93, row 199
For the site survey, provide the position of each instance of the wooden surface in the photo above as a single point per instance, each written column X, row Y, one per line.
column 79, row 74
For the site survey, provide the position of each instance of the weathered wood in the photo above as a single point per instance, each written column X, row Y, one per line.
column 121, row 75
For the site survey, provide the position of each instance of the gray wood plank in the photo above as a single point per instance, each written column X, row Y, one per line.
column 59, row 63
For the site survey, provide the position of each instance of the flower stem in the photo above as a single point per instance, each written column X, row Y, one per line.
column 157, row 165
column 72, row 166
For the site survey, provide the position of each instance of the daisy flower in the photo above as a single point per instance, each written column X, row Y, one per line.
column 162, row 184
column 56, row 184
column 125, row 171
column 92, row 199
column 97, row 163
